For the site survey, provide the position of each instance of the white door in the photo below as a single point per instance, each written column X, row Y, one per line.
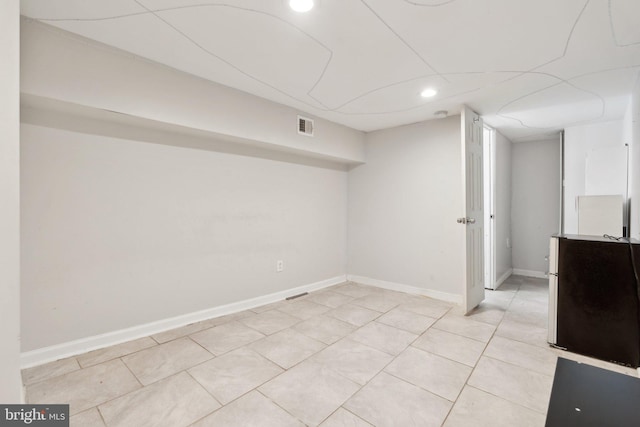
column 472, row 130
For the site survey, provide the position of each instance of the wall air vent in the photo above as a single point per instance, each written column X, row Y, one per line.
column 305, row 126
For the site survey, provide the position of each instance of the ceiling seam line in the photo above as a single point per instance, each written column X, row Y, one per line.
column 228, row 62
column 404, row 41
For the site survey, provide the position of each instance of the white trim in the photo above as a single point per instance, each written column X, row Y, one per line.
column 443, row 296
column 530, row 273
column 59, row 351
column 502, row 278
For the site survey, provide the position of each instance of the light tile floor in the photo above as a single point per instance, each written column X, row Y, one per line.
column 349, row 355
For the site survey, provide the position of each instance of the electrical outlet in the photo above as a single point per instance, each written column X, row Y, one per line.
column 279, row 266
column 508, row 242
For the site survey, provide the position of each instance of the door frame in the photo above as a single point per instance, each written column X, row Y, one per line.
column 489, row 184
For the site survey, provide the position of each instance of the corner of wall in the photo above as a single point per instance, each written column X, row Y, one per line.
column 10, row 381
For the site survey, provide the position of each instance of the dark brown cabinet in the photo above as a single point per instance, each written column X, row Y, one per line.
column 593, row 301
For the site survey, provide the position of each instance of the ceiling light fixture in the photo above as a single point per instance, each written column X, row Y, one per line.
column 428, row 93
column 301, row 5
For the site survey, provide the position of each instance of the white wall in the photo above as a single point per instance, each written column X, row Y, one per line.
column 403, row 205
column 59, row 65
column 118, row 233
column 535, row 202
column 10, row 382
column 600, row 143
column 633, row 124
column 503, row 205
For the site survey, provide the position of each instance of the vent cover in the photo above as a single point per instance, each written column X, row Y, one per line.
column 305, row 126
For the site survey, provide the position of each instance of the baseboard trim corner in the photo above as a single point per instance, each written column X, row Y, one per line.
column 52, row 353
column 530, row 273
column 504, row 277
column 443, row 296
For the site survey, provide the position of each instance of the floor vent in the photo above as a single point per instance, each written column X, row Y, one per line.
column 296, row 296
column 305, row 126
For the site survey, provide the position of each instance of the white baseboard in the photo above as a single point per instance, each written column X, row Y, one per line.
column 504, row 277
column 59, row 351
column 530, row 273
column 443, row 296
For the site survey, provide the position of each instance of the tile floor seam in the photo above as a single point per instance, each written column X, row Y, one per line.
column 497, row 324
column 118, row 357
column 358, row 306
column 280, row 406
column 300, row 362
column 521, row 341
column 197, row 365
column 181, row 336
column 102, row 416
column 132, row 373
column 213, row 356
column 355, row 415
column 345, row 409
column 393, row 358
column 207, row 391
column 483, row 355
column 486, row 344
column 508, row 400
column 464, row 336
column 347, row 399
column 170, row 375
column 279, row 330
column 308, row 336
column 391, row 374
column 142, row 388
column 517, row 366
column 373, row 309
column 55, row 376
column 115, row 397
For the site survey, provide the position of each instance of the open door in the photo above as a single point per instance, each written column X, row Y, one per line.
column 472, row 171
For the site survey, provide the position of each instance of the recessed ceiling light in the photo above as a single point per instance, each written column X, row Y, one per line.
column 301, row 5
column 428, row 93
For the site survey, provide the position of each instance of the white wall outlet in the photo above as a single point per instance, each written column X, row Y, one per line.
column 508, row 242
column 279, row 266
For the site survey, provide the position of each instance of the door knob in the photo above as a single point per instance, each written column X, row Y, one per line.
column 466, row 220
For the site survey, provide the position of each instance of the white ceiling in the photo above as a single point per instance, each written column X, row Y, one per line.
column 530, row 67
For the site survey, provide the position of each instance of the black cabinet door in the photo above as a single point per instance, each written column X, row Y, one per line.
column 598, row 300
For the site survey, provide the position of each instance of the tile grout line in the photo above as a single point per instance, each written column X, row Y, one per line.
column 97, row 406
column 101, row 416
column 483, row 355
column 118, row 357
column 466, row 383
column 80, row 367
column 277, row 404
column 222, row 405
column 394, row 357
column 338, row 373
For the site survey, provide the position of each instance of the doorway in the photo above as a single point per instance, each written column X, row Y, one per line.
column 489, row 179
